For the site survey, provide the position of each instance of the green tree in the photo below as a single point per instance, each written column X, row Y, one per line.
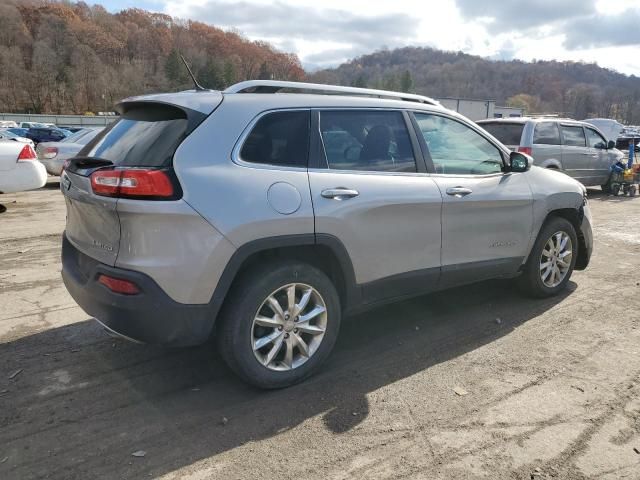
column 360, row 82
column 174, row 69
column 211, row 75
column 406, row 82
column 229, row 74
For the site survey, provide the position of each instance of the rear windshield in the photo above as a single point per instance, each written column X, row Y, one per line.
column 144, row 136
column 507, row 133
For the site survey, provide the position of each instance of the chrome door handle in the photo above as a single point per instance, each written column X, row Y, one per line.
column 339, row 193
column 459, row 192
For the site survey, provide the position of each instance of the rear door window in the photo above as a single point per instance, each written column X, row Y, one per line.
column 573, row 136
column 376, row 141
column 507, row 133
column 144, row 136
column 279, row 138
column 546, row 133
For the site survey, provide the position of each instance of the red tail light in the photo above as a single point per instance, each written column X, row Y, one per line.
column 27, row 153
column 118, row 285
column 50, row 152
column 132, row 183
column 526, row 150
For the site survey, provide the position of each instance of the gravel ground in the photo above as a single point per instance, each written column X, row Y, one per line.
column 476, row 382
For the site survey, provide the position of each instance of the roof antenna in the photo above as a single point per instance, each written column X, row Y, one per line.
column 197, row 86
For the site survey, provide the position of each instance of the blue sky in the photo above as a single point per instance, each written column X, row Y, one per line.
column 330, row 32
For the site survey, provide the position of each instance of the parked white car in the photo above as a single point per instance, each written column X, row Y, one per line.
column 19, row 168
column 8, row 124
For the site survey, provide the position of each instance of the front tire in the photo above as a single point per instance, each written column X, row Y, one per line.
column 279, row 324
column 552, row 259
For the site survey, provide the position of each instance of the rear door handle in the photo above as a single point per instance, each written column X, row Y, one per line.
column 339, row 193
column 459, row 192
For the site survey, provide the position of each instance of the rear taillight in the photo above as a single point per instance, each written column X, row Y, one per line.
column 526, row 150
column 50, row 152
column 119, row 285
column 27, row 153
column 132, row 183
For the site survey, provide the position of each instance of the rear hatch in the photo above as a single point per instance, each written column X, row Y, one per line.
column 509, row 134
column 125, row 161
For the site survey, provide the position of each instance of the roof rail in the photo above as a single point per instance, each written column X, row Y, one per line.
column 274, row 86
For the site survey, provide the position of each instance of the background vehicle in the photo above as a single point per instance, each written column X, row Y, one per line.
column 53, row 154
column 7, row 135
column 21, row 132
column 611, row 129
column 576, row 148
column 267, row 216
column 19, row 168
column 8, row 124
column 29, row 125
column 46, row 134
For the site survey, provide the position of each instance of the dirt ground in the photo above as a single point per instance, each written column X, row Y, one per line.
column 550, row 388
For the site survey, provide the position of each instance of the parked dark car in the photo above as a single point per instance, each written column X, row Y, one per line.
column 46, row 135
column 21, row 132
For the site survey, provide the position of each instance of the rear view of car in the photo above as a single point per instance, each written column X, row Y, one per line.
column 131, row 240
column 19, row 168
column 54, row 154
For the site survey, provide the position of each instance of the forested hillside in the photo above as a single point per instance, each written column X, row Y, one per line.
column 63, row 57
column 576, row 89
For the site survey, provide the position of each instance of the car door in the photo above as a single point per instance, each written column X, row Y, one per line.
column 487, row 215
column 601, row 159
column 370, row 190
column 576, row 157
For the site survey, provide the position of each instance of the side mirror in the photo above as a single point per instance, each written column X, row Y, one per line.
column 519, row 162
column 611, row 144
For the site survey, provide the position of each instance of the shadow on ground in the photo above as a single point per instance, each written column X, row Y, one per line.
column 84, row 402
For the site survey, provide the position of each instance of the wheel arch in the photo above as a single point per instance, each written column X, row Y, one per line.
column 575, row 217
column 324, row 252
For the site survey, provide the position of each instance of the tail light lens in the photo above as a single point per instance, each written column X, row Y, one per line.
column 119, row 285
column 27, row 153
column 50, row 152
column 133, row 183
column 527, row 150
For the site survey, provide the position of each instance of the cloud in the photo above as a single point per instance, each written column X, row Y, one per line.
column 511, row 15
column 598, row 31
column 280, row 20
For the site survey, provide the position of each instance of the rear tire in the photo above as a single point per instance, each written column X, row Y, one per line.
column 269, row 340
column 548, row 269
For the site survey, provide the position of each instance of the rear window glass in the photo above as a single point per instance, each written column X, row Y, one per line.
column 546, row 133
column 145, row 136
column 279, row 138
column 507, row 133
column 573, row 136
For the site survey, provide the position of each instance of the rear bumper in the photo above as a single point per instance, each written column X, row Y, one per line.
column 150, row 316
column 53, row 165
column 27, row 175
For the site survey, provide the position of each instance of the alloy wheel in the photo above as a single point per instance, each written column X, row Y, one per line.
column 555, row 259
column 289, row 327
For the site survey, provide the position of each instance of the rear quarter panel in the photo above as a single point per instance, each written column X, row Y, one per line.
column 234, row 197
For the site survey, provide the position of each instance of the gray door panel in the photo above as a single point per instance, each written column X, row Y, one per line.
column 489, row 229
column 389, row 223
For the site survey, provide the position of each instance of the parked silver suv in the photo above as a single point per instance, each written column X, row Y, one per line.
column 262, row 217
column 577, row 148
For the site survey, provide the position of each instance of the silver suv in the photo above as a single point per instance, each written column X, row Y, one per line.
column 577, row 148
column 262, row 214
